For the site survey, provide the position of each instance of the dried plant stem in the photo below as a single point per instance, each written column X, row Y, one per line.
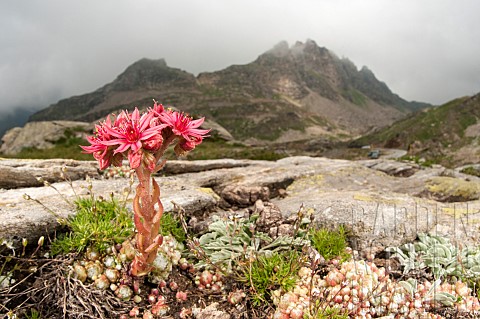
column 60, row 220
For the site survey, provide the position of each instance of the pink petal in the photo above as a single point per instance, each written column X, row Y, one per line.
column 104, row 163
column 112, row 132
column 136, row 146
column 152, row 131
column 122, row 148
column 145, row 121
column 116, row 141
column 197, row 123
column 135, row 115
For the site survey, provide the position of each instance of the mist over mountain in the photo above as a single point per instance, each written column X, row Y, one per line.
column 18, row 117
column 287, row 93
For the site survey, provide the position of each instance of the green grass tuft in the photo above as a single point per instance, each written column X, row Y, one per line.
column 470, row 170
column 330, row 243
column 267, row 273
column 170, row 225
column 99, row 223
column 34, row 314
column 418, row 160
column 322, row 312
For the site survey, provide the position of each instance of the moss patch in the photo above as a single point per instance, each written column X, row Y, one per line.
column 449, row 189
column 300, row 184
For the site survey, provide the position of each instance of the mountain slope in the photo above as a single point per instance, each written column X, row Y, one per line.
column 448, row 134
column 287, row 93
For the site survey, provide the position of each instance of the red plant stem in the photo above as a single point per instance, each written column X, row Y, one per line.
column 146, row 218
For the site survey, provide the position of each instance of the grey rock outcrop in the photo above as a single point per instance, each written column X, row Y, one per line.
column 394, row 168
column 377, row 209
column 217, row 129
column 40, row 135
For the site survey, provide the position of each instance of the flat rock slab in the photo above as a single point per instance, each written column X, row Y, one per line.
column 377, row 219
column 378, row 209
column 16, row 173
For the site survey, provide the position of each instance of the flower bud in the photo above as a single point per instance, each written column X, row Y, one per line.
column 173, row 285
column 117, row 160
column 135, row 158
column 158, row 107
column 181, row 296
column 134, row 312
column 153, row 143
column 152, row 298
column 149, row 161
column 179, row 151
column 147, row 315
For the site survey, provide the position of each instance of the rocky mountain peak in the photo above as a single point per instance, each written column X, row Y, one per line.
column 309, row 47
column 147, row 73
column 365, row 70
column 298, row 49
column 280, row 50
column 147, row 63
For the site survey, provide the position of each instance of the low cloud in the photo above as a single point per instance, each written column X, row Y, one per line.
column 426, row 51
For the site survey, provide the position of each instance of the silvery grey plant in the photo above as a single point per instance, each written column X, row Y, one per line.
column 443, row 297
column 440, row 256
column 228, row 240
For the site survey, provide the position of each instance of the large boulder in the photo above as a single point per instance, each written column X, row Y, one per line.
column 41, row 135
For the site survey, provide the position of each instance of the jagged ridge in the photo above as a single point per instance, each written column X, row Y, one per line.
column 287, row 93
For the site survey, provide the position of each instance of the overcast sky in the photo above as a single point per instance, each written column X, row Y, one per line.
column 425, row 50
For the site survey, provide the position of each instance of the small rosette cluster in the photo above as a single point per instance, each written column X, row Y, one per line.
column 364, row 290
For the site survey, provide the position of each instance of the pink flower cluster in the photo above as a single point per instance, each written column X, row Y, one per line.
column 142, row 137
